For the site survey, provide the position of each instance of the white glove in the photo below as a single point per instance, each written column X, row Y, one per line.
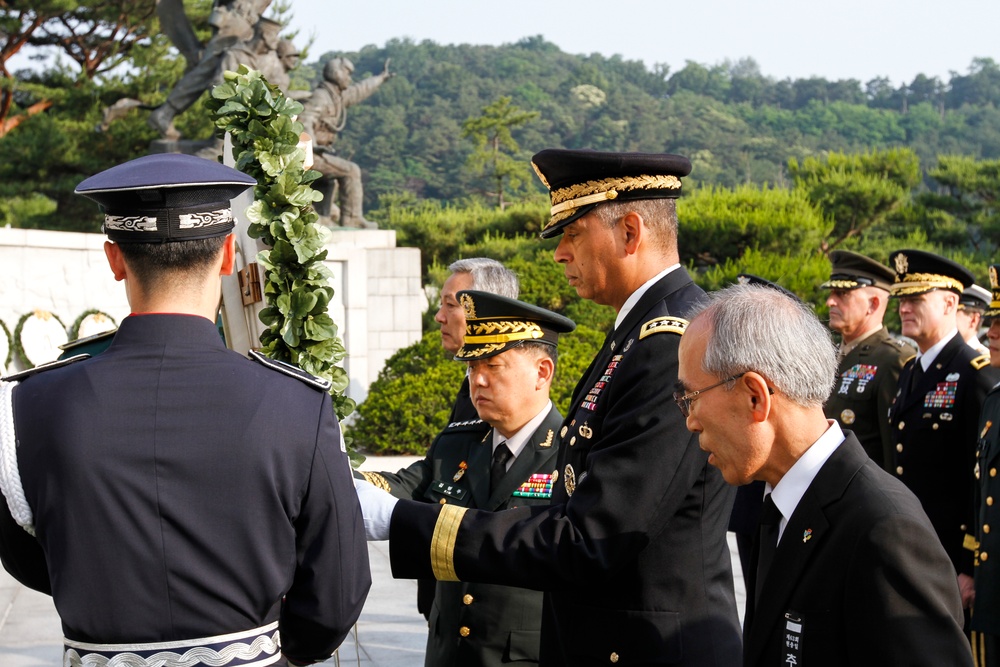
column 376, row 507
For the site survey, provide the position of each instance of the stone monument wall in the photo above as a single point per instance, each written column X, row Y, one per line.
column 378, row 303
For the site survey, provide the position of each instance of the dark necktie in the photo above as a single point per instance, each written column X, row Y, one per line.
column 770, row 521
column 499, row 466
column 916, row 375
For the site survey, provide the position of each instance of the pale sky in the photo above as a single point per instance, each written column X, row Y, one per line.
column 844, row 39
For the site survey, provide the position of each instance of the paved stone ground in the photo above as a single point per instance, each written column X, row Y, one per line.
column 390, row 632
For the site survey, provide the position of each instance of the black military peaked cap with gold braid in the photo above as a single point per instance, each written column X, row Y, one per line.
column 851, row 271
column 579, row 180
column 495, row 324
column 919, row 271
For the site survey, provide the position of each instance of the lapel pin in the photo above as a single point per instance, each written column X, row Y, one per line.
column 461, row 471
column 807, row 535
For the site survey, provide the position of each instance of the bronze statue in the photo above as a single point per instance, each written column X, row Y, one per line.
column 234, row 22
column 323, row 118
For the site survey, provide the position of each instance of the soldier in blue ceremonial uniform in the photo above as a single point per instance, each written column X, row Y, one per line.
column 632, row 553
column 938, row 400
column 510, row 348
column 985, row 621
column 183, row 504
column 870, row 359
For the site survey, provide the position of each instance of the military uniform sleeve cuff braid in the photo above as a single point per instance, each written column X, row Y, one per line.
column 10, row 478
column 443, row 542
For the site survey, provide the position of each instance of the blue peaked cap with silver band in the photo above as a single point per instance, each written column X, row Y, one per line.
column 166, row 197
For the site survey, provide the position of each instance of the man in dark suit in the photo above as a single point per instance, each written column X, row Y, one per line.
column 938, row 400
column 632, row 553
column 473, row 273
column 483, row 624
column 870, row 359
column 847, row 569
column 985, row 621
column 175, row 498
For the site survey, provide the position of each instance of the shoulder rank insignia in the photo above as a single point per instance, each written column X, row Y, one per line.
column 291, row 371
column 674, row 325
column 41, row 368
column 980, row 362
column 470, row 422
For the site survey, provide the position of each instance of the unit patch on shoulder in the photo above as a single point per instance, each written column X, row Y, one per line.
column 674, row 325
column 291, row 371
column 981, row 362
column 41, row 368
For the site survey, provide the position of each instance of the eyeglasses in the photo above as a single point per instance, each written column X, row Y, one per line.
column 684, row 400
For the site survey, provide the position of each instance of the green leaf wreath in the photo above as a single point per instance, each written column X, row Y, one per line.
column 260, row 121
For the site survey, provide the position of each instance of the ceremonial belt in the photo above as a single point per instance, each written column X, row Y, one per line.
column 250, row 648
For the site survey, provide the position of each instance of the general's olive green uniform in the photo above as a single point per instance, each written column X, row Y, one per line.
column 480, row 625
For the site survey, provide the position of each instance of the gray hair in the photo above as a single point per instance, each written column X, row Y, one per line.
column 660, row 216
column 488, row 275
column 756, row 328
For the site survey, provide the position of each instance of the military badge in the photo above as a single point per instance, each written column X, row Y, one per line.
column 590, row 400
column 863, row 373
column 469, row 306
column 569, row 479
column 946, row 416
column 462, row 467
column 586, row 431
column 902, row 264
column 943, row 395
column 548, row 439
column 807, row 535
column 538, row 485
column 952, row 377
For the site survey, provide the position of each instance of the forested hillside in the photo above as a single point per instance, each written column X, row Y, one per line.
column 737, row 124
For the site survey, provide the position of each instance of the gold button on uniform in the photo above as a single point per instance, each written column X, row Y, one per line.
column 986, row 527
column 464, row 631
column 899, row 447
column 989, row 500
column 934, row 426
column 983, row 556
column 614, row 657
column 902, row 425
column 467, row 599
column 993, row 472
column 899, row 470
column 443, row 501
